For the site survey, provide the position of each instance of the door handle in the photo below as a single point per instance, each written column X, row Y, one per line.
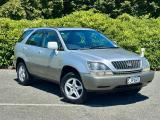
column 39, row 51
column 24, row 48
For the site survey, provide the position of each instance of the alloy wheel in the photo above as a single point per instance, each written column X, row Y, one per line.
column 22, row 73
column 73, row 88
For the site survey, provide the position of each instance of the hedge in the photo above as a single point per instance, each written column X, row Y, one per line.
column 131, row 33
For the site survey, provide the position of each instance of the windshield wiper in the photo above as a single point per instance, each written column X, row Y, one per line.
column 79, row 48
column 83, row 48
column 99, row 47
column 94, row 47
column 113, row 47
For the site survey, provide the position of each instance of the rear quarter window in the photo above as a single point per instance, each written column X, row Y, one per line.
column 24, row 35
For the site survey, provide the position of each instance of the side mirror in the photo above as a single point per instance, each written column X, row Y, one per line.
column 52, row 45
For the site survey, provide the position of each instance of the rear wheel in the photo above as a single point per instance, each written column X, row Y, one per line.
column 72, row 88
column 22, row 74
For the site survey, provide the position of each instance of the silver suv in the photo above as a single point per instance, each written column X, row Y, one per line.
column 80, row 60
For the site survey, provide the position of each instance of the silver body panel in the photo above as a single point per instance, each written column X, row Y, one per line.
column 44, row 62
column 111, row 82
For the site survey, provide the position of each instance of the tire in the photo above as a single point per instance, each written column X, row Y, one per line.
column 23, row 74
column 132, row 92
column 73, row 89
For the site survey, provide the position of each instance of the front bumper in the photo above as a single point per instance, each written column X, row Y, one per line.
column 111, row 82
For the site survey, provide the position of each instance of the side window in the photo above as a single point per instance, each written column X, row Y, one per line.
column 36, row 39
column 51, row 36
column 24, row 35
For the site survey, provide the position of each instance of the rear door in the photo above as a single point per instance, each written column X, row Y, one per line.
column 33, row 48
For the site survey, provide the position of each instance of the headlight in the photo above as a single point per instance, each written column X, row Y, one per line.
column 98, row 69
column 97, row 66
column 146, row 65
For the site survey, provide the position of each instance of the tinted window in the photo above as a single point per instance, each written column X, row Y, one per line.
column 36, row 39
column 24, row 35
column 86, row 39
column 51, row 36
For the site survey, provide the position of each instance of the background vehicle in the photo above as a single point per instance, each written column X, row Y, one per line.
column 80, row 60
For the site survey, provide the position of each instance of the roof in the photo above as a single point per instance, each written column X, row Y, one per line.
column 58, row 28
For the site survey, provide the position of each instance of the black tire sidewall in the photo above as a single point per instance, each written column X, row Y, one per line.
column 62, row 84
column 27, row 76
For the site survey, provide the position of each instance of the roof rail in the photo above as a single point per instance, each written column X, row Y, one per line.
column 28, row 29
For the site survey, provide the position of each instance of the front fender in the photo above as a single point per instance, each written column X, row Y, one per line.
column 75, row 61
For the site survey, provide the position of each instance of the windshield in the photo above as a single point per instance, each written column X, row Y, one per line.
column 86, row 39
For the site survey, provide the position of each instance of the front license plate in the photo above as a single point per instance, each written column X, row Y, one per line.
column 133, row 80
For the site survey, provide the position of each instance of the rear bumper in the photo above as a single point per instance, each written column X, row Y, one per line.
column 112, row 82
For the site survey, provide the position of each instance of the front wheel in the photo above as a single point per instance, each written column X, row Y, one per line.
column 72, row 88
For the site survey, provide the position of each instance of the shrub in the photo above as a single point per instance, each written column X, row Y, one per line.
column 131, row 33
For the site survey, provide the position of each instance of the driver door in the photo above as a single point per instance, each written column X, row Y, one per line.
column 51, row 61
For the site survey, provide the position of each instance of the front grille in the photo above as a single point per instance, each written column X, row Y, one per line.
column 127, row 72
column 128, row 64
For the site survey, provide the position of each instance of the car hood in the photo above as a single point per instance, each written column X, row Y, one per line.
column 111, row 54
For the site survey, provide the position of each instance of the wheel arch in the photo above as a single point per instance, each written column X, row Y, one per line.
column 18, row 60
column 66, row 69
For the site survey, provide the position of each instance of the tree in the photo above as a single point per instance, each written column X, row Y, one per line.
column 73, row 5
column 33, row 9
column 3, row 2
column 132, row 7
column 12, row 9
column 42, row 8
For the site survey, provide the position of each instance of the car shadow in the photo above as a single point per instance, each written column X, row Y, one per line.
column 94, row 99
column 113, row 99
column 45, row 86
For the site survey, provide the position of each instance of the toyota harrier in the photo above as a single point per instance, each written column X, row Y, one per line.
column 80, row 60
